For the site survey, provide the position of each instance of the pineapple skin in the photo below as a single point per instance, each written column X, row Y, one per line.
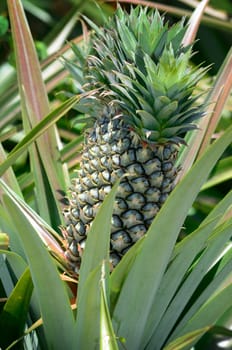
column 112, row 150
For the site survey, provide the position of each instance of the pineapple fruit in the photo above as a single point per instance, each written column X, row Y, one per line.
column 138, row 92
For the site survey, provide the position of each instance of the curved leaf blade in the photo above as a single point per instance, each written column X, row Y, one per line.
column 107, row 335
column 87, row 328
column 187, row 340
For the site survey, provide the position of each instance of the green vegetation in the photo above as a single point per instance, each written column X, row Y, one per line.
column 172, row 288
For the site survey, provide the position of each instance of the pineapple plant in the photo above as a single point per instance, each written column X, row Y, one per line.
column 162, row 295
column 138, row 98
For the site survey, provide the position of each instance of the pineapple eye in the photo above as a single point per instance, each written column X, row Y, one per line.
column 120, row 240
column 135, row 200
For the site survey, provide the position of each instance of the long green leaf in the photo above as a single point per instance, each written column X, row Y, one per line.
column 50, row 290
column 215, row 286
column 131, row 312
column 44, row 157
column 15, row 311
column 187, row 289
column 98, row 240
column 48, row 236
column 87, row 329
column 107, row 335
column 197, row 143
column 119, row 274
column 182, row 258
column 211, row 311
column 187, row 340
column 31, row 86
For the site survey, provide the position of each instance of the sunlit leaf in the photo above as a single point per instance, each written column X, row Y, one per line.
column 186, row 340
column 4, row 241
column 194, row 23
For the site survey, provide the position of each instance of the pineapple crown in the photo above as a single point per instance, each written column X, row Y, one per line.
column 138, row 66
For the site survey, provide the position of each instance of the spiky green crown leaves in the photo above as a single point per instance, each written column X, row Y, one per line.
column 139, row 67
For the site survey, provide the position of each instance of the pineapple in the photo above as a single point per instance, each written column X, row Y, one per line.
column 138, row 92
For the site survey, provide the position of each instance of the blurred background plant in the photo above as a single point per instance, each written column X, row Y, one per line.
column 38, row 181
